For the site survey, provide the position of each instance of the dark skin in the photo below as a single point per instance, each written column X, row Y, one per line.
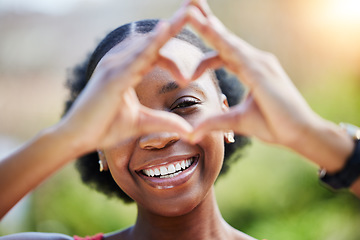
column 147, row 127
column 191, row 201
column 194, row 103
column 173, row 212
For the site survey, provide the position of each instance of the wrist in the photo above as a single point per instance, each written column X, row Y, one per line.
column 67, row 140
column 350, row 172
column 345, row 177
column 325, row 144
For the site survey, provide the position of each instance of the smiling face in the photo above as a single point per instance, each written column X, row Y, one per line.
column 161, row 172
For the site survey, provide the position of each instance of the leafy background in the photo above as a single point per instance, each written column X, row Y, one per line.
column 270, row 193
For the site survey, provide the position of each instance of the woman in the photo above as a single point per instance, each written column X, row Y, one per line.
column 162, row 136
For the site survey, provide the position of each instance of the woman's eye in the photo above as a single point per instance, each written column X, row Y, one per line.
column 185, row 105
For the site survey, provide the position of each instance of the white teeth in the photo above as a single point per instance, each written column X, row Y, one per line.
column 163, row 170
column 171, row 175
column 170, row 171
column 177, row 167
column 183, row 165
column 171, row 168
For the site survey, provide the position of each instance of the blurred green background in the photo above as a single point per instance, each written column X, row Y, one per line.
column 270, row 193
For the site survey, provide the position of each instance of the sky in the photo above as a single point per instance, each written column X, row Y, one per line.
column 52, row 7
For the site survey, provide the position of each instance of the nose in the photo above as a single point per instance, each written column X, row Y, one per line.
column 156, row 141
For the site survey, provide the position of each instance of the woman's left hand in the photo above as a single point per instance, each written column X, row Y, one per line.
column 274, row 110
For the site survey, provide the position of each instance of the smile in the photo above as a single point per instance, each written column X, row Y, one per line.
column 170, row 174
column 169, row 170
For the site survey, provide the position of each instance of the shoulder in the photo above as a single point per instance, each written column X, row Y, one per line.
column 36, row 236
column 119, row 235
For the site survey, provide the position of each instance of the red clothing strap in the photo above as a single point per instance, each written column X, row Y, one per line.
column 98, row 236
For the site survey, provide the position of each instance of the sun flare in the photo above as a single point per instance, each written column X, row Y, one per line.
column 347, row 11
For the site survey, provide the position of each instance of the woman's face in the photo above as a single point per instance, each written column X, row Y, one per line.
column 161, row 172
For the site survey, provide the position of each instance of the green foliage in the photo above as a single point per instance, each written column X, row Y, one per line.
column 273, row 194
column 270, row 193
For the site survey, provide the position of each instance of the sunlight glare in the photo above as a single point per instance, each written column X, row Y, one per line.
column 346, row 11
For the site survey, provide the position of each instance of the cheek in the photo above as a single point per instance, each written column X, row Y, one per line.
column 213, row 145
column 118, row 160
column 118, row 157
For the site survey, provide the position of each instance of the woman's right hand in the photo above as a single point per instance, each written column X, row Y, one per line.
column 108, row 111
column 104, row 114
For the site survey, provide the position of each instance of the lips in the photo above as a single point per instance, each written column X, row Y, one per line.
column 171, row 174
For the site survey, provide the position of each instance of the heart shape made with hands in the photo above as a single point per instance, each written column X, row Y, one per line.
column 199, row 15
column 143, row 58
column 145, row 54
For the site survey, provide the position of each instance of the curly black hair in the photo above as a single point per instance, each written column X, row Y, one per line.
column 88, row 164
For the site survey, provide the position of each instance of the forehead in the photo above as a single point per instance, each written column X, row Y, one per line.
column 185, row 55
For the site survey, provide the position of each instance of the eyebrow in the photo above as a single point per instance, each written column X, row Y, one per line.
column 171, row 86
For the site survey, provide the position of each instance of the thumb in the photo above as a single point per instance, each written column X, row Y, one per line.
column 223, row 122
column 235, row 119
column 160, row 121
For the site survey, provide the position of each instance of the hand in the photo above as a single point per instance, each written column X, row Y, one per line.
column 274, row 110
column 108, row 111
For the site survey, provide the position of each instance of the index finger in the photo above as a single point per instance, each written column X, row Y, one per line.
column 213, row 30
column 147, row 53
column 201, row 4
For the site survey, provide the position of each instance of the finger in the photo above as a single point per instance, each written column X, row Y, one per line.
column 160, row 121
column 210, row 60
column 236, row 54
column 202, row 5
column 214, row 31
column 163, row 32
column 179, row 20
column 203, row 23
column 231, row 120
column 147, row 52
column 172, row 67
column 224, row 122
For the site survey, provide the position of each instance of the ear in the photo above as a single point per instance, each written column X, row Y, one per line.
column 102, row 161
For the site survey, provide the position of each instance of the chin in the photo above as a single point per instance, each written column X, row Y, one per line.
column 180, row 204
column 171, row 210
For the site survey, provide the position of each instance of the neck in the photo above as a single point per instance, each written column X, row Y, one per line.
column 203, row 222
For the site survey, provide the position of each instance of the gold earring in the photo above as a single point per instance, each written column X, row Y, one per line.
column 102, row 161
column 101, row 166
column 229, row 137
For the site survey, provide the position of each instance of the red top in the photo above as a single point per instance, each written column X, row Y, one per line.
column 98, row 236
